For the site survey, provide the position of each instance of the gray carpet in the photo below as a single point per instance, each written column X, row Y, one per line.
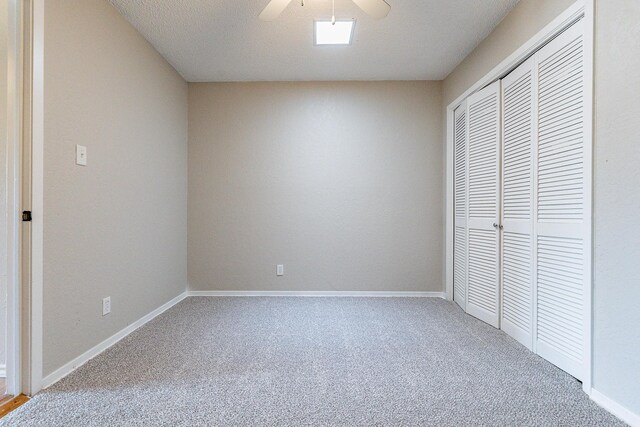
column 314, row 361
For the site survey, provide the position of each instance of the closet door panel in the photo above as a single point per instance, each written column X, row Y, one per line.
column 483, row 111
column 518, row 140
column 562, row 225
column 460, row 188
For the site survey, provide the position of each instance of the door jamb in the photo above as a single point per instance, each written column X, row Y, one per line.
column 13, row 174
column 28, row 251
column 33, row 197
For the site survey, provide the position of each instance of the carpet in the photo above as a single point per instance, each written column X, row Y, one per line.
column 314, row 361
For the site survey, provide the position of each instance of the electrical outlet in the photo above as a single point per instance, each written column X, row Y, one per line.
column 106, row 306
column 280, row 270
column 81, row 155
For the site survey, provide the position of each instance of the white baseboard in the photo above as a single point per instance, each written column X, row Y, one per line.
column 615, row 408
column 3, row 371
column 66, row 369
column 315, row 294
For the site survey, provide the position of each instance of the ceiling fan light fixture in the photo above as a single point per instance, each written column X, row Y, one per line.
column 330, row 32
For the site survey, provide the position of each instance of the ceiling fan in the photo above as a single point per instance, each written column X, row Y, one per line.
column 377, row 9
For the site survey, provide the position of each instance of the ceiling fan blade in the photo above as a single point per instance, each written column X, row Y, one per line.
column 274, row 9
column 377, row 9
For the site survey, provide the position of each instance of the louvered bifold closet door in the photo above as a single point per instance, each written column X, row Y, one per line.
column 483, row 111
column 562, row 226
column 518, row 140
column 460, row 200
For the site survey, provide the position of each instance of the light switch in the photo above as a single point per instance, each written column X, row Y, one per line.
column 106, row 306
column 81, row 155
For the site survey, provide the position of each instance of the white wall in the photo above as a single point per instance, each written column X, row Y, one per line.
column 340, row 182
column 617, row 203
column 116, row 227
column 522, row 23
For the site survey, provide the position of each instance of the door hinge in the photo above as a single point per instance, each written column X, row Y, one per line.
column 26, row 216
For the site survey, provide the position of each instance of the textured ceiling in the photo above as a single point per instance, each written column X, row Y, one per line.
column 223, row 40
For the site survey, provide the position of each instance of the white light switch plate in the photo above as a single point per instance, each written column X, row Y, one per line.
column 280, row 270
column 106, row 306
column 81, row 155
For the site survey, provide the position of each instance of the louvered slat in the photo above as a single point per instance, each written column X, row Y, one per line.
column 460, row 266
column 516, row 280
column 560, row 294
column 561, row 128
column 518, row 160
column 461, row 165
column 482, row 270
column 483, row 146
column 460, row 208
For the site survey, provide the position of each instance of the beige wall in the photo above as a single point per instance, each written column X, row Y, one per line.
column 522, row 23
column 340, row 182
column 116, row 227
column 616, row 340
column 617, row 203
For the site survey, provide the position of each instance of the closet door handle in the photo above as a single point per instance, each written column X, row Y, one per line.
column 495, row 225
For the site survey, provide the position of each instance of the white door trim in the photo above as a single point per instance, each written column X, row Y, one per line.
column 34, row 310
column 13, row 174
column 580, row 9
column 343, row 294
column 589, row 49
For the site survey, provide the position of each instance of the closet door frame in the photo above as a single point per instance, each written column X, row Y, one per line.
column 581, row 9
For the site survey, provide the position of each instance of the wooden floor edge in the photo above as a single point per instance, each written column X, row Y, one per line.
column 10, row 404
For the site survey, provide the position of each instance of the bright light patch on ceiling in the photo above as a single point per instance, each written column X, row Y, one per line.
column 339, row 34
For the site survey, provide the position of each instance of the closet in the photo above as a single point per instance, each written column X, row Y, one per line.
column 522, row 205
